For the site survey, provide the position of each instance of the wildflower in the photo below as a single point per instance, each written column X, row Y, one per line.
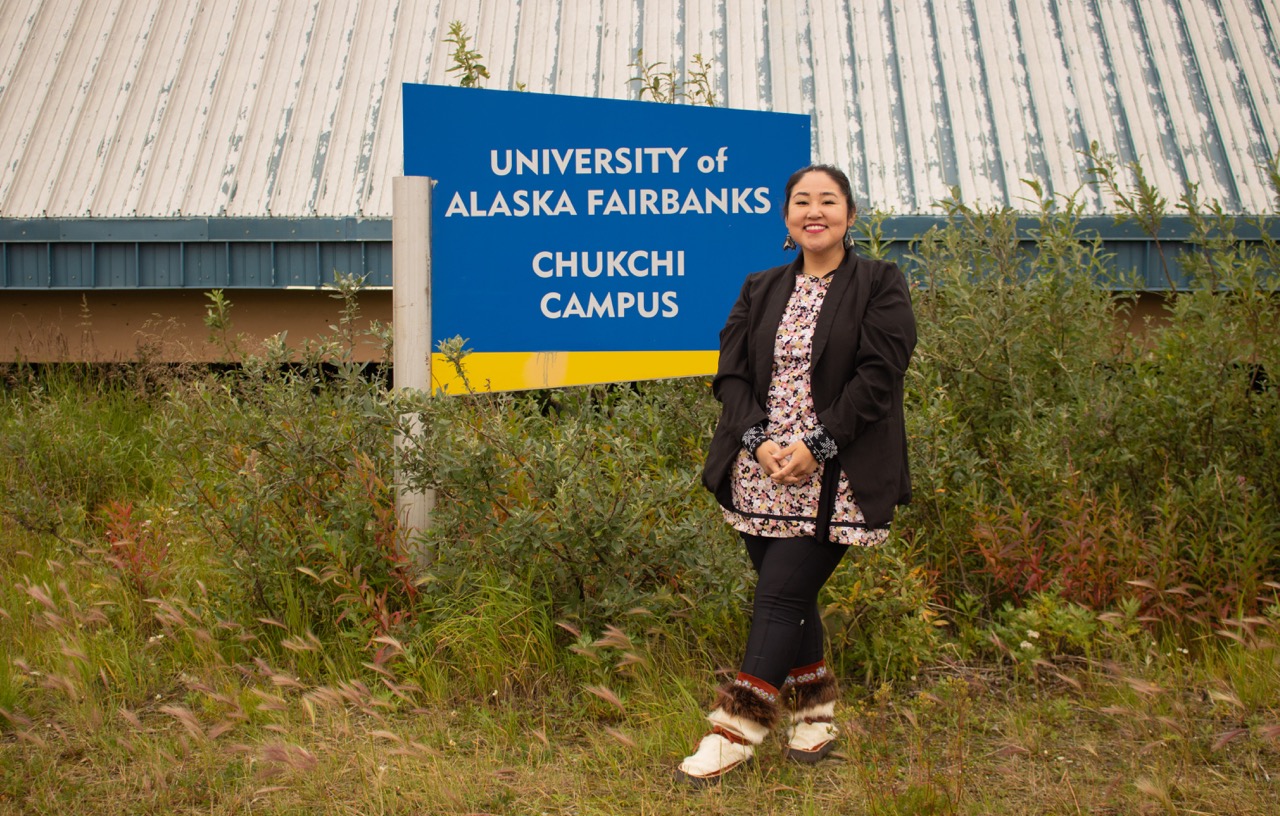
column 1026, row 645
column 1033, row 634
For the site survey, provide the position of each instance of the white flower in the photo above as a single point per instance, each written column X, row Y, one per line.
column 1033, row 634
column 1026, row 645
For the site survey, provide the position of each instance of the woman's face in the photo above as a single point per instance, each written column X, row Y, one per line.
column 818, row 213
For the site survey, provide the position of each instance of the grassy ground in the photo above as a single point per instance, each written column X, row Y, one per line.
column 98, row 716
column 1002, row 751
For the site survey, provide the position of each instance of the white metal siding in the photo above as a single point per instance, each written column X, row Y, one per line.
column 123, row 108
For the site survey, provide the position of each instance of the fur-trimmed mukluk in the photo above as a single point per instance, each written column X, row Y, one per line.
column 745, row 711
column 811, row 729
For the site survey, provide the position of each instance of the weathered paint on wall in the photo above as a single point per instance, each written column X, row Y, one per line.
column 291, row 108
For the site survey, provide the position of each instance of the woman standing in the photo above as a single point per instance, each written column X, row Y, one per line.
column 809, row 458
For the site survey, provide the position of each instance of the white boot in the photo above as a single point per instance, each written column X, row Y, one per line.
column 811, row 727
column 740, row 721
column 811, row 733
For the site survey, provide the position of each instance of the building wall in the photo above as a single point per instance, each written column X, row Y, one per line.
column 170, row 144
column 124, row 326
column 166, row 325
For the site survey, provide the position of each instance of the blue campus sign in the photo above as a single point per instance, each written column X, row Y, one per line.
column 565, row 224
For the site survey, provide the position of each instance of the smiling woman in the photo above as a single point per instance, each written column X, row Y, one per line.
column 819, row 213
column 808, row 458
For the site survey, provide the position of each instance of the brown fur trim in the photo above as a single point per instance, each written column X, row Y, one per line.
column 743, row 702
column 784, row 697
column 822, row 690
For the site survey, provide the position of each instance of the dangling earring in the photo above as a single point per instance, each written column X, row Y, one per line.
column 789, row 243
column 848, row 234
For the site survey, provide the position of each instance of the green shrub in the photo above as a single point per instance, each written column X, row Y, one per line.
column 1044, row 626
column 882, row 622
column 591, row 493
column 285, row 466
column 1054, row 452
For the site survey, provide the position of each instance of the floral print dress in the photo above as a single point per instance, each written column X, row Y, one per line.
column 762, row 506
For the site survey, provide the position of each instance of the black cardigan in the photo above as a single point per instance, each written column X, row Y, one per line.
column 862, row 343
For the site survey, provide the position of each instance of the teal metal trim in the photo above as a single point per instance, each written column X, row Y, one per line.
column 275, row 253
column 180, row 253
column 105, row 230
column 1173, row 228
column 1155, row 262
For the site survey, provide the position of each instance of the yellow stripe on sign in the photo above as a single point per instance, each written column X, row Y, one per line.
column 518, row 371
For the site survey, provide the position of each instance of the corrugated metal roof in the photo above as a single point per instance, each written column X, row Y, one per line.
column 257, row 108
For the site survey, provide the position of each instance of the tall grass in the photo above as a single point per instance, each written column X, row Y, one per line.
column 72, row 439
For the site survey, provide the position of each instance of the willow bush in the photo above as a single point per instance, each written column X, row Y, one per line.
column 591, row 492
column 1055, row 451
column 283, row 467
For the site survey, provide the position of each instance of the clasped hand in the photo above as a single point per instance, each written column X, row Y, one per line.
column 790, row 465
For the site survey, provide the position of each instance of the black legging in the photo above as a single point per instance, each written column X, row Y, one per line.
column 786, row 627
